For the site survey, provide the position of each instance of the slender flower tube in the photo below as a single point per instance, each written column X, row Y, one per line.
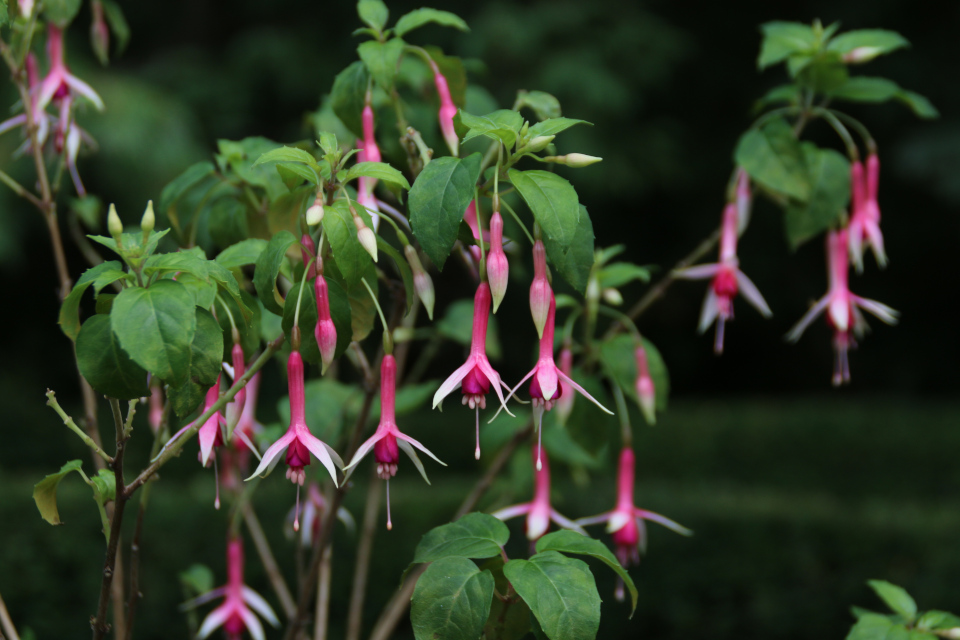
column 842, row 307
column 325, row 332
column 646, row 393
column 370, row 148
column 447, row 111
column 472, row 218
column 239, row 368
column 475, row 376
column 298, row 441
column 545, row 389
column 155, row 415
column 744, row 200
column 235, row 614
column 308, row 252
column 388, row 438
column 497, row 265
column 541, row 294
column 246, row 429
column 365, row 186
column 625, row 522
column 41, row 118
column 728, row 280
column 539, row 511
column 864, row 227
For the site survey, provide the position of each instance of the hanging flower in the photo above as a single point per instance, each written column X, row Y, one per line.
column 311, row 515
column 540, row 292
column 498, row 269
column 447, row 111
column 864, row 227
column 646, row 393
column 325, row 332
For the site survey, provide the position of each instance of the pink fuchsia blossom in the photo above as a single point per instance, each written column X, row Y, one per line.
column 475, row 376
column 744, row 200
column 325, row 332
column 311, row 515
column 239, row 368
column 545, row 377
column 625, row 521
column 365, row 184
column 155, row 414
column 235, row 614
column 728, row 280
column 842, row 307
column 541, row 295
column 298, row 441
column 447, row 111
column 864, row 227
column 498, row 269
column 41, row 118
column 539, row 511
column 59, row 83
column 646, row 393
column 388, row 439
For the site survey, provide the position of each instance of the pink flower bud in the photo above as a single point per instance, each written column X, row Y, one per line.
column 861, row 55
column 540, row 292
column 744, row 200
column 497, row 265
column 422, row 283
column 447, row 111
column 239, row 368
column 315, row 212
column 646, row 393
column 325, row 331
column 370, row 147
column 156, row 405
column 308, row 251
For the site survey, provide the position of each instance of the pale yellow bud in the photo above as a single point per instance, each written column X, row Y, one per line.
column 148, row 220
column 114, row 225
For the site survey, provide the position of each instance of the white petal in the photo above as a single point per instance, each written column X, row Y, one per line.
column 794, row 334
column 512, row 391
column 451, row 383
column 275, row 450
column 365, row 449
column 407, row 449
column 582, row 391
column 260, row 605
column 537, row 524
column 566, row 523
column 84, row 89
column 318, row 449
column 752, row 294
column 512, row 512
column 495, row 382
column 709, row 311
column 665, row 521
column 698, row 272
column 878, row 309
column 603, row 517
column 253, row 625
column 618, row 520
column 403, row 436
column 215, row 619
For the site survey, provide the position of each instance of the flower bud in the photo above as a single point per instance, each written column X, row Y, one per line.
column 447, row 111
column 744, row 200
column 497, row 265
column 540, row 291
column 366, row 236
column 149, row 220
column 612, row 296
column 26, row 7
column 575, row 160
column 646, row 394
column 325, row 331
column 315, row 212
column 370, row 147
column 308, row 251
column 422, row 283
column 239, row 368
column 99, row 33
column 114, row 225
column 861, row 54
column 538, row 144
column 155, row 415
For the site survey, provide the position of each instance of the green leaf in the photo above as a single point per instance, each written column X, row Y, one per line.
column 351, row 258
column 70, row 309
column 347, row 96
column 118, row 23
column 228, row 282
column 419, row 17
column 184, row 182
column 866, row 89
column 618, row 274
column 61, row 12
column 293, row 174
column 567, row 541
column 178, row 261
column 268, row 266
column 545, row 105
column 288, row 154
column 307, row 320
column 475, row 535
column 821, row 74
column 379, row 170
column 553, row 126
column 198, row 578
column 555, row 206
column 783, row 39
column 382, row 59
column 45, row 492
column 788, row 93
column 373, row 13
column 342, row 314
column 920, row 105
column 934, row 619
column 242, row 253
column 574, row 262
column 108, row 277
column 875, row 41
column 103, row 364
column 508, row 620
column 617, row 356
column 203, row 292
column 829, row 196
column 503, row 125
column 451, row 601
column 156, row 327
column 437, row 200
column 773, row 157
column 206, row 354
column 560, row 592
column 896, row 598
column 871, row 626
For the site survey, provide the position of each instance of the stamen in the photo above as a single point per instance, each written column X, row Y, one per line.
column 389, row 521
column 477, row 453
column 296, row 511
column 216, row 479
column 718, row 340
column 539, row 439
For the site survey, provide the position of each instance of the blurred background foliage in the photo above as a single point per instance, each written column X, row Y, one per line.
column 798, row 494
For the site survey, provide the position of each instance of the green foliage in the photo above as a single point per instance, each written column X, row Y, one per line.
column 475, row 535
column 347, row 96
column 61, row 12
column 206, row 354
column 545, row 105
column 617, row 356
column 374, row 13
column 381, row 60
column 379, row 170
column 451, row 600
column 70, row 309
column 351, row 258
column 905, row 622
column 45, row 491
column 267, row 270
column 553, row 126
column 419, row 17
column 877, row 41
column 773, row 157
column 502, row 125
column 896, row 598
column 102, row 362
column 829, row 174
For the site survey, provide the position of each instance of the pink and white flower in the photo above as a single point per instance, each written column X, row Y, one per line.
column 646, row 392
column 498, row 269
column 728, row 280
column 447, row 111
column 842, row 307
column 864, row 227
column 541, row 294
column 325, row 332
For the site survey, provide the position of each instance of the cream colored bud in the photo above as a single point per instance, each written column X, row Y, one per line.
column 315, row 214
column 368, row 239
column 148, row 220
column 612, row 296
column 539, row 143
column 114, row 225
column 580, row 160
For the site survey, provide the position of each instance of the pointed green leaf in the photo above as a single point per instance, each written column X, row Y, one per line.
column 783, row 39
column 543, row 104
column 437, row 200
column 475, row 535
column 382, row 60
column 503, row 125
column 403, row 268
column 103, row 364
column 288, row 154
column 267, row 269
column 242, row 253
column 874, row 42
column 560, row 592
column 347, row 96
column 829, row 196
column 206, row 354
column 373, row 13
column 341, row 312
column 451, row 601
column 45, row 492
column 574, row 262
column 773, row 157
column 919, row 104
column 61, row 12
column 618, row 274
column 351, row 258
column 156, row 327
column 70, row 309
column 873, row 626
column 379, row 170
column 184, row 182
column 896, row 598
column 553, row 126
column 567, row 541
column 419, row 17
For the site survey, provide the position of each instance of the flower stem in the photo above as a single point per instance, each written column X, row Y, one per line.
column 519, row 221
column 364, row 550
column 266, row 558
column 6, row 624
column 387, row 338
column 68, row 421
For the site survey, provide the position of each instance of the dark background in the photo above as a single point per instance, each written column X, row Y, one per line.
column 798, row 493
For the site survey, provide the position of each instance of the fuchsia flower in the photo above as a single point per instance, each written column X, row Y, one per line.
column 41, row 118
column 239, row 368
column 325, row 332
column 388, row 438
column 155, row 415
column 298, row 441
column 541, row 295
column 646, row 393
column 476, row 375
column 447, row 111
column 545, row 389
column 370, row 149
column 728, row 280
column 311, row 516
column 210, row 434
column 864, row 227
column 234, row 615
column 246, row 428
column 625, row 522
column 59, row 82
column 365, row 184
column 497, row 265
column 539, row 512
column 843, row 314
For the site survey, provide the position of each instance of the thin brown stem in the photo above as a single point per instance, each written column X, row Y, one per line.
column 266, row 558
column 6, row 624
column 397, row 606
column 364, row 550
column 323, row 596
